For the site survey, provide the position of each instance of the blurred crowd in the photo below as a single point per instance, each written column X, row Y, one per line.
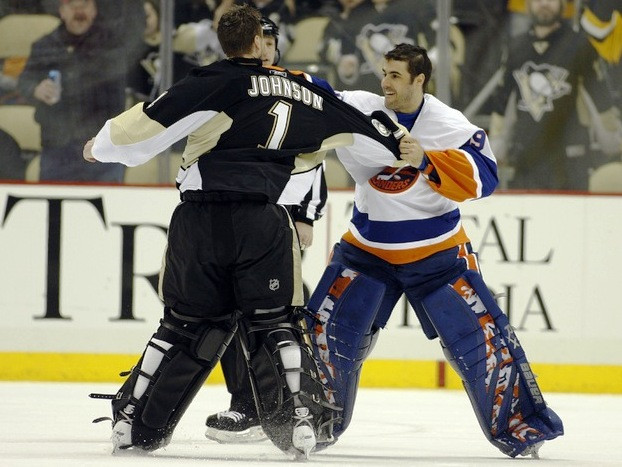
column 544, row 77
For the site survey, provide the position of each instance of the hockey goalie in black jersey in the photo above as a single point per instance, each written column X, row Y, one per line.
column 232, row 264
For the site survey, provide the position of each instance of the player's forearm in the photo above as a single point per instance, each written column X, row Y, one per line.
column 461, row 174
column 132, row 138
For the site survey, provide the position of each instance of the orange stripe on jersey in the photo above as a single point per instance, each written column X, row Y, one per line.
column 412, row 254
column 274, row 67
column 456, row 175
column 297, row 72
column 470, row 258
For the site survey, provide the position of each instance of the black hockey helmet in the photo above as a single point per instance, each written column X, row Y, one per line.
column 270, row 28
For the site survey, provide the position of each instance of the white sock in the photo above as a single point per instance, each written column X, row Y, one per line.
column 151, row 362
column 291, row 358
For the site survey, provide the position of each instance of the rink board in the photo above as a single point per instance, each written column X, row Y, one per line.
column 80, row 263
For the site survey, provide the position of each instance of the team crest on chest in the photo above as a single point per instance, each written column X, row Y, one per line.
column 540, row 86
column 392, row 180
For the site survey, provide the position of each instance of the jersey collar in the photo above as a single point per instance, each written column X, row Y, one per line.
column 246, row 61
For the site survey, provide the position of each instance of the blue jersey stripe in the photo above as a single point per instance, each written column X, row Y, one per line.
column 404, row 231
column 487, row 169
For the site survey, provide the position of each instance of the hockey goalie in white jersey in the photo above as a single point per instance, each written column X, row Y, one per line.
column 406, row 237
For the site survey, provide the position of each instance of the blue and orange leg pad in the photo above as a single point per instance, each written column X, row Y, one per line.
column 481, row 346
column 342, row 309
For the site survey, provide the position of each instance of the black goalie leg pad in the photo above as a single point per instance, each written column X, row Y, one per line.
column 187, row 352
column 285, row 379
column 481, row 346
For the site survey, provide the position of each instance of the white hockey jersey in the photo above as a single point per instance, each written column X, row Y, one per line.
column 406, row 214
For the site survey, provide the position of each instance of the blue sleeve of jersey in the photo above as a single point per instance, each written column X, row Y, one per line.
column 486, row 166
column 323, row 84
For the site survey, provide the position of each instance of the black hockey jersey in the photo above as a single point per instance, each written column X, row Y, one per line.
column 249, row 129
column 549, row 146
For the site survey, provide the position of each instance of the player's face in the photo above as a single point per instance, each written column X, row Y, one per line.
column 268, row 53
column 401, row 92
column 545, row 12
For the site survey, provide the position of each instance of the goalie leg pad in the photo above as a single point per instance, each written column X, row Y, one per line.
column 481, row 346
column 178, row 359
column 344, row 304
column 284, row 378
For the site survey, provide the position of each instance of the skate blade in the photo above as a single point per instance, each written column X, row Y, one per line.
column 303, row 440
column 121, row 437
column 252, row 435
column 533, row 450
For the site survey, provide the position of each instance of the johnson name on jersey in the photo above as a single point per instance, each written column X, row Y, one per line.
column 249, row 129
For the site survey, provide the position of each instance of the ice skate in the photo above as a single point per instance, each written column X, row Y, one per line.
column 122, row 429
column 121, row 436
column 231, row 426
column 532, row 450
column 303, row 436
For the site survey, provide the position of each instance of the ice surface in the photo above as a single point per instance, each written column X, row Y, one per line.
column 49, row 424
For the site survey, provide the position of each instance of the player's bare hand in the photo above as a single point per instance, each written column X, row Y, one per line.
column 87, row 152
column 305, row 234
column 411, row 151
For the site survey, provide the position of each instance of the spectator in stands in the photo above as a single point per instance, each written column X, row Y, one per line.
column 602, row 22
column 480, row 36
column 9, row 7
column 90, row 91
column 13, row 166
column 8, row 83
column 356, row 40
column 520, row 21
column 286, row 13
column 194, row 44
column 11, row 67
column 536, row 125
column 120, row 18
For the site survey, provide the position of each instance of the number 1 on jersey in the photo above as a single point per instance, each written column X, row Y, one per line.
column 281, row 112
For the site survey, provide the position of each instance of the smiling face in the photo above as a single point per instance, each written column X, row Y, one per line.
column 401, row 92
column 78, row 15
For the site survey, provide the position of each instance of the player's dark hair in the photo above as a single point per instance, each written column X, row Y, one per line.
column 237, row 30
column 417, row 59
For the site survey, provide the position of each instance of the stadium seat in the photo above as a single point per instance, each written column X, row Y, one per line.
column 19, row 122
column 607, row 178
column 308, row 34
column 19, row 31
